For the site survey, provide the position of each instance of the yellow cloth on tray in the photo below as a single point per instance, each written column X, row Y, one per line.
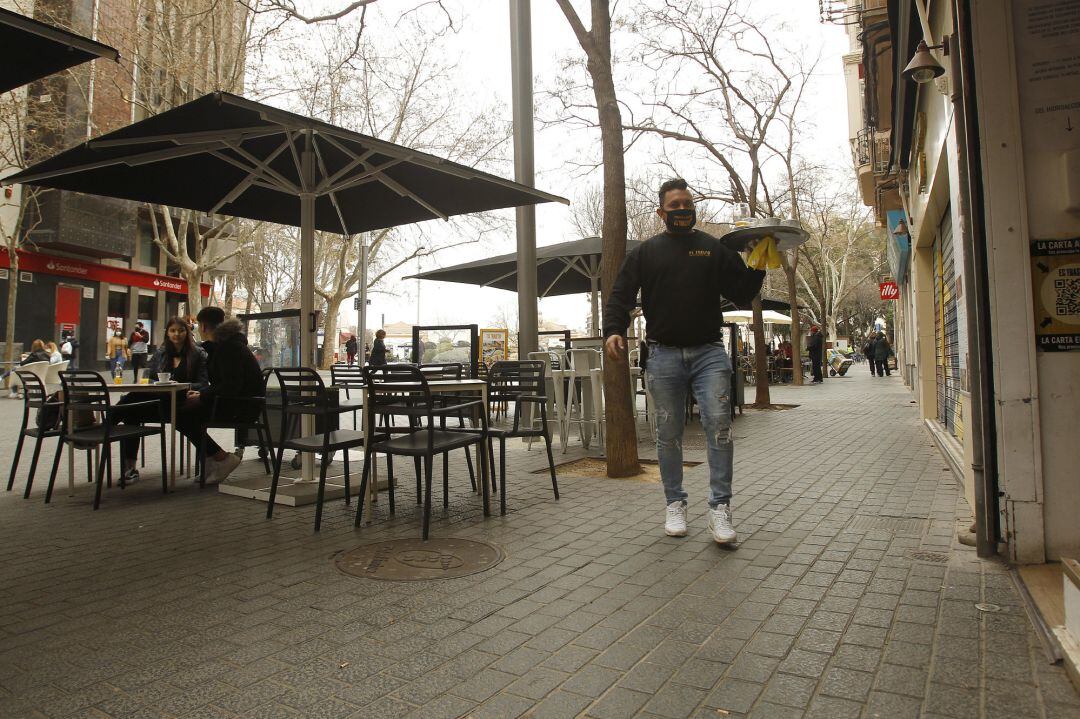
column 764, row 256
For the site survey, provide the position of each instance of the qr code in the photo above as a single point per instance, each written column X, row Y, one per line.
column 1067, row 296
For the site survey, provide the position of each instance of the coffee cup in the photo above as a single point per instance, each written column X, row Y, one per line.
column 164, row 377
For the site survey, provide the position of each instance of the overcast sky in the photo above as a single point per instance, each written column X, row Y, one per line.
column 483, row 44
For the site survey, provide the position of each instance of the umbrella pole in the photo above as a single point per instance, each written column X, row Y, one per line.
column 308, row 321
column 595, row 280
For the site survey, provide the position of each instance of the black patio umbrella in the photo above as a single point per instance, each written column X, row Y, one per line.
column 225, row 154
column 566, row 268
column 35, row 50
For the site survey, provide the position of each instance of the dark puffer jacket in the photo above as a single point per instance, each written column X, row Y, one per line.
column 233, row 369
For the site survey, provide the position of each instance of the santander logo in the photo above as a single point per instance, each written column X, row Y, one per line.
column 166, row 284
column 54, row 266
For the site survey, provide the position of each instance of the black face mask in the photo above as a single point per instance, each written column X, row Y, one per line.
column 680, row 221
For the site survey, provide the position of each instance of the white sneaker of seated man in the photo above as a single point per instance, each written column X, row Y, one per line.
column 217, row 470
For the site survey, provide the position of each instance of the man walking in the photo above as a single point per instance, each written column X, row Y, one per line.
column 682, row 274
column 882, row 351
column 815, row 347
column 868, row 353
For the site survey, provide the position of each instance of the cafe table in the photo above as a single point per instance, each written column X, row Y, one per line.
column 175, row 389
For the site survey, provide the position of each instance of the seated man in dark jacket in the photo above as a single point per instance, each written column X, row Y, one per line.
column 234, row 374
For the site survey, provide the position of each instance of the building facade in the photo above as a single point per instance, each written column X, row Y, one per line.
column 90, row 264
column 976, row 175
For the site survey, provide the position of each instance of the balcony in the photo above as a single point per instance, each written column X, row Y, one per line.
column 861, row 146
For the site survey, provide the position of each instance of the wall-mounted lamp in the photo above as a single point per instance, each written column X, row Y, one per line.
column 901, row 228
column 923, row 68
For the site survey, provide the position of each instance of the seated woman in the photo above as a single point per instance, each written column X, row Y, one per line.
column 54, row 353
column 38, row 353
column 185, row 362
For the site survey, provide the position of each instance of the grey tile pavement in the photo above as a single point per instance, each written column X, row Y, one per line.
column 194, row 605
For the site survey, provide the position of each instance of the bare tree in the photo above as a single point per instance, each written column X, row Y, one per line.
column 587, row 210
column 843, row 254
column 400, row 87
column 206, row 251
column 621, row 435
column 724, row 90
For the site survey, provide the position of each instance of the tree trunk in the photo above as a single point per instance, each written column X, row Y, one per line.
column 194, row 291
column 621, row 434
column 330, row 338
column 230, row 289
column 761, row 361
column 12, row 293
column 796, row 325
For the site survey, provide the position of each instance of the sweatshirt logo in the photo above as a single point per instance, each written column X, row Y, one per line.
column 700, row 253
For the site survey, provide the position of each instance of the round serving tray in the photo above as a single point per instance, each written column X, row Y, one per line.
column 789, row 234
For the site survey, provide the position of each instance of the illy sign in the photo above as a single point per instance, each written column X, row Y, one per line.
column 889, row 290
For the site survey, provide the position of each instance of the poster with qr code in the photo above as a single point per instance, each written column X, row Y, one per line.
column 1055, row 281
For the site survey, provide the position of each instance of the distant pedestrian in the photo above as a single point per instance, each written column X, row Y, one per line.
column 868, row 353
column 815, row 346
column 378, row 349
column 116, row 351
column 139, row 348
column 350, row 349
column 882, row 351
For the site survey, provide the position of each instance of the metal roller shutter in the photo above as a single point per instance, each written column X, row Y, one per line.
column 946, row 338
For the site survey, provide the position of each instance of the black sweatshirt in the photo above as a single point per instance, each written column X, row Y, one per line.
column 682, row 279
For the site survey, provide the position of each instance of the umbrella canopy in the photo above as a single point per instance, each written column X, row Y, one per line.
column 567, row 268
column 36, row 50
column 224, row 154
column 745, row 317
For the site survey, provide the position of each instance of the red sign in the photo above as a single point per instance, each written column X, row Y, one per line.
column 65, row 267
column 889, row 290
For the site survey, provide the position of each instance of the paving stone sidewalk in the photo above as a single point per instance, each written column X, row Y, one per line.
column 847, row 597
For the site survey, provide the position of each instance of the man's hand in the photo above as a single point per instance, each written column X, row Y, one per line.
column 193, row 397
column 615, row 346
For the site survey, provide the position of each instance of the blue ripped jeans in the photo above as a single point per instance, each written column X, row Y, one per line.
column 672, row 373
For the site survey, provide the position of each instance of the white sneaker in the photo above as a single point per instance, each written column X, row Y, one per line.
column 675, row 524
column 218, row 470
column 720, row 524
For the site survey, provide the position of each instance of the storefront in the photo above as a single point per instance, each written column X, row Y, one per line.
column 60, row 295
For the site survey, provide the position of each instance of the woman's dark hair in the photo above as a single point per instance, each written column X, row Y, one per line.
column 186, row 353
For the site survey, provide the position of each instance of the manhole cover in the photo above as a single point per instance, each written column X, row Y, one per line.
column 412, row 560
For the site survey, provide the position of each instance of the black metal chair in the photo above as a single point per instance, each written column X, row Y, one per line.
column 520, row 383
column 404, row 390
column 303, row 394
column 447, row 371
column 245, row 414
column 351, row 379
column 86, row 392
column 36, row 398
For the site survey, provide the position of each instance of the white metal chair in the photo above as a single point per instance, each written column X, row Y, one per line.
column 40, row 369
column 586, row 372
column 555, row 382
column 52, row 373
